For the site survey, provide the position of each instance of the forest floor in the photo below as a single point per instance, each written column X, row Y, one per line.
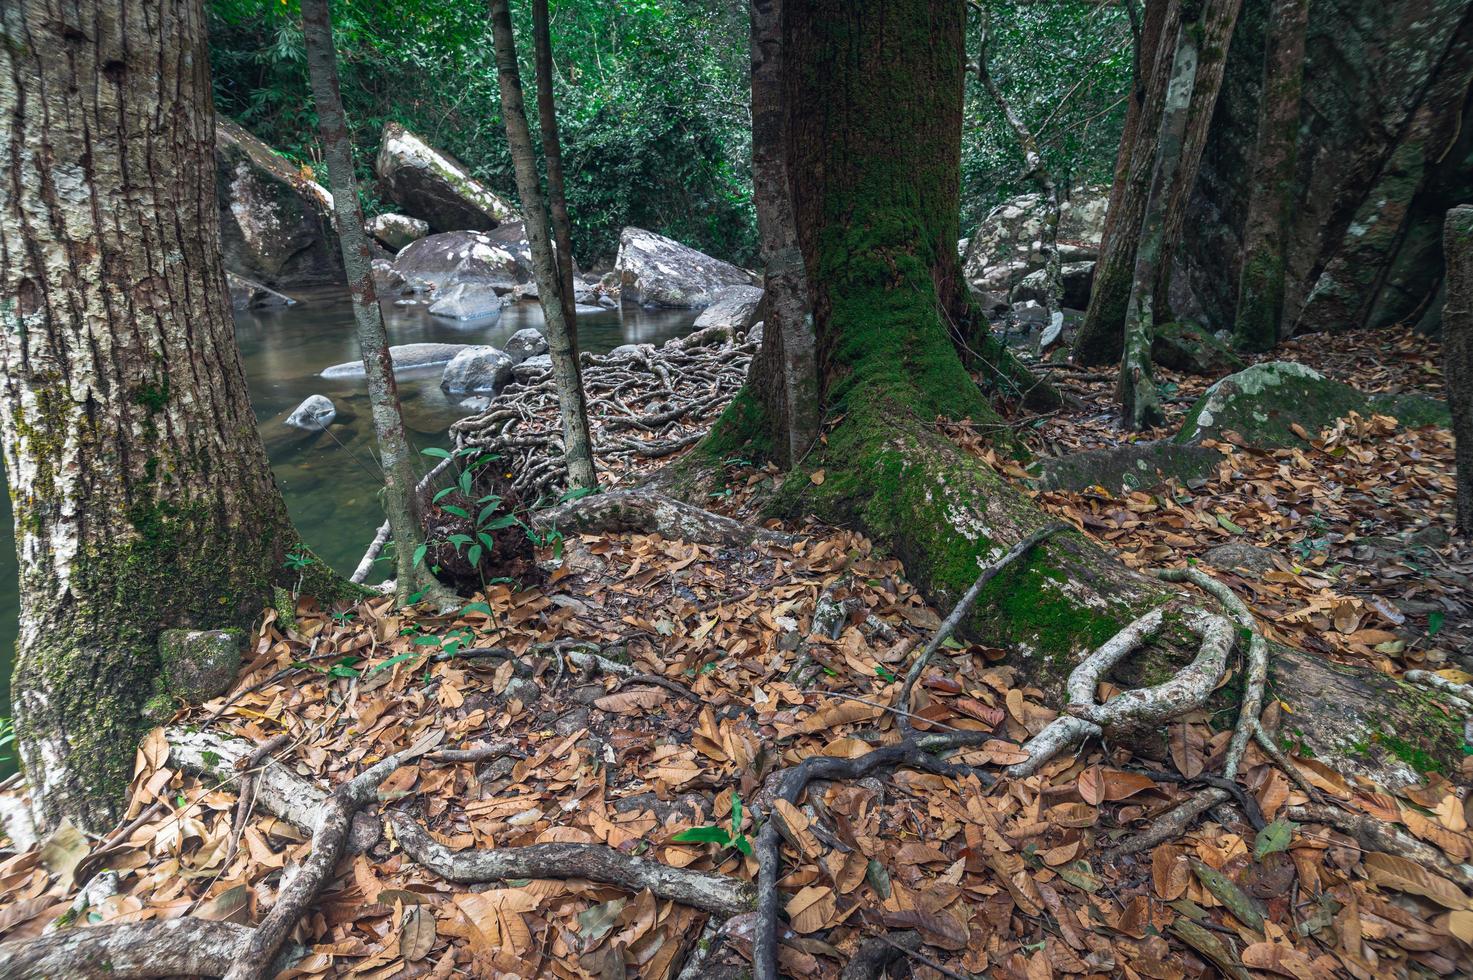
column 1000, row 877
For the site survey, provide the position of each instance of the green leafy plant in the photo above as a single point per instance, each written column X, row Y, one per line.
column 720, row 834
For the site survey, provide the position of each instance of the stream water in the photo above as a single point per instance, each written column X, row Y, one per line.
column 330, row 479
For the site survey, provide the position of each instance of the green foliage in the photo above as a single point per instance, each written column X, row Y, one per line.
column 1066, row 69
column 651, row 94
column 721, row 834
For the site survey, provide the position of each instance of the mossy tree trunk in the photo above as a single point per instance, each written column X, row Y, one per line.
column 396, row 457
column 143, row 499
column 874, row 93
column 1256, row 324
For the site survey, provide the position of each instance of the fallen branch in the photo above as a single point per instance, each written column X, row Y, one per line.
column 1373, row 834
column 1425, row 678
column 959, row 612
column 173, row 947
column 715, row 893
column 329, row 841
column 914, row 752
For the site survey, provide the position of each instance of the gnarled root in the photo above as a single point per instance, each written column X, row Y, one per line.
column 174, row 947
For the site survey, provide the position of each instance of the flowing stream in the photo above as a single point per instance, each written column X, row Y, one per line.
column 330, row 479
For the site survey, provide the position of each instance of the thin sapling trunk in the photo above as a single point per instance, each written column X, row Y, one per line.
column 552, row 154
column 395, row 454
column 577, row 444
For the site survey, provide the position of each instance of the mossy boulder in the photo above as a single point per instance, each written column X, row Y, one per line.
column 199, row 664
column 1191, row 349
column 1263, row 404
column 1133, row 466
column 433, row 186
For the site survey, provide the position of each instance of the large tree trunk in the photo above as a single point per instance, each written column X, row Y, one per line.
column 577, row 445
column 1261, row 281
column 143, row 499
column 875, row 96
column 396, row 456
column 1457, row 352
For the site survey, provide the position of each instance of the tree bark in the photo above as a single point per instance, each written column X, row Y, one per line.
column 396, row 456
column 1260, row 310
column 143, row 498
column 1457, row 351
column 1102, row 336
column 577, row 445
column 875, row 96
column 552, row 153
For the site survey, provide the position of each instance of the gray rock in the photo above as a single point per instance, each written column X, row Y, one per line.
column 386, row 279
column 735, row 309
column 583, row 309
column 467, row 301
column 315, row 413
column 275, row 222
column 1075, row 278
column 397, row 230
column 438, row 261
column 532, row 368
column 625, row 351
column 434, row 186
column 405, row 356
column 1007, row 245
column 1194, row 350
column 1240, row 555
column 657, row 271
column 1132, row 466
column 476, row 370
column 199, row 664
column 248, row 295
column 754, row 336
column 525, row 343
column 476, row 403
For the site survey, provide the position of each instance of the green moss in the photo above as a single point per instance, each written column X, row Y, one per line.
column 153, row 396
column 1260, row 301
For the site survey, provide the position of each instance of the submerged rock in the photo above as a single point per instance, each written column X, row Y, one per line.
column 199, row 664
column 1263, row 404
column 405, row 356
column 275, row 220
column 248, row 295
column 735, row 309
column 315, row 413
column 525, row 343
column 397, row 230
column 657, row 271
column 432, row 185
column 467, row 301
column 476, row 370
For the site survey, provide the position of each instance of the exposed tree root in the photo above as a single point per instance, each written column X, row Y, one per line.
column 959, row 612
column 329, row 841
column 646, row 402
column 1378, row 835
column 247, row 795
column 173, row 947
column 710, row 892
column 1136, row 710
column 647, row 511
column 584, row 656
column 1463, row 692
column 914, row 752
column 1171, row 824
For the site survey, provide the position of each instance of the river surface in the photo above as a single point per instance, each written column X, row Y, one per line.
column 330, row 480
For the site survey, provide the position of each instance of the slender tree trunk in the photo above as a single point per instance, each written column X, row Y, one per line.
column 785, row 372
column 1040, row 175
column 577, row 446
column 1457, row 351
column 552, row 153
column 396, row 456
column 1260, row 310
column 1102, row 336
column 143, row 499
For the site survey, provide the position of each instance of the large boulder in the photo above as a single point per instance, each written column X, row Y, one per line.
column 735, row 309
column 275, row 221
column 526, row 342
column 468, row 300
column 404, row 356
column 657, row 271
column 461, row 256
column 395, row 231
column 1266, row 403
column 434, row 186
column 1007, row 245
column 315, row 413
column 1075, row 280
column 477, row 370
